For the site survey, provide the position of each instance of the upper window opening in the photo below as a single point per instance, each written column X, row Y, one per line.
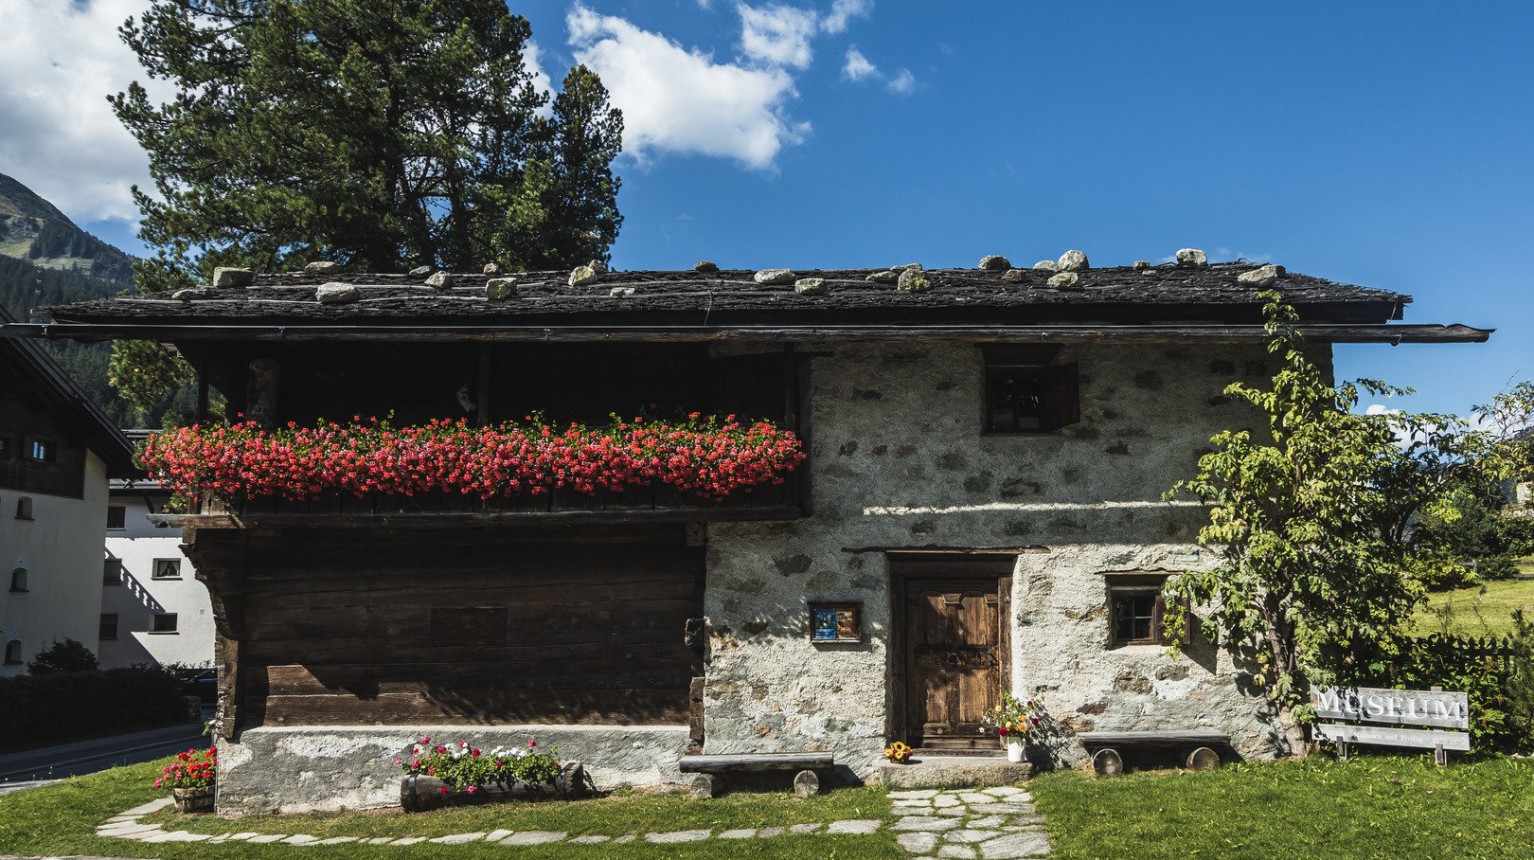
column 164, row 623
column 7, row 447
column 24, row 508
column 167, row 568
column 108, row 630
column 1027, row 392
column 13, row 653
column 19, row 579
column 117, row 517
column 42, row 450
column 112, row 572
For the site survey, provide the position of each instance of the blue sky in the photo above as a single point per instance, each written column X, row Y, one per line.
column 1381, row 144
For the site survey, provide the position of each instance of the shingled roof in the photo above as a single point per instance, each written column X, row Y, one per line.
column 1164, row 292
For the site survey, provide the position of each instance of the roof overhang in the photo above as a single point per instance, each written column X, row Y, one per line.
column 1053, row 334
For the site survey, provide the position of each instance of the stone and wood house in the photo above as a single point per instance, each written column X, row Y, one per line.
column 980, row 509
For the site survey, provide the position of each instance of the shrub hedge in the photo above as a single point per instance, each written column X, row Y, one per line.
column 36, row 710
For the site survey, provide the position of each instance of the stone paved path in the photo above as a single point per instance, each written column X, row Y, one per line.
column 983, row 823
column 970, row 823
column 128, row 826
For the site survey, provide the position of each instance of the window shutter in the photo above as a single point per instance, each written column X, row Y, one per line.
column 1060, row 401
column 1158, row 620
column 1187, row 624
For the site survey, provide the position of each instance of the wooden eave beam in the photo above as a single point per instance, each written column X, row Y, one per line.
column 1022, row 334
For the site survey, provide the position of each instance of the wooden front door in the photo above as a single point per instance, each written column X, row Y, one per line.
column 956, row 660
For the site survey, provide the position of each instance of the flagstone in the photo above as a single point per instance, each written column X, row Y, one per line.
column 497, row 835
column 855, row 825
column 917, row 843
column 678, row 836
column 459, row 838
column 738, row 834
column 533, row 837
column 1015, row 845
column 923, row 822
column 590, row 840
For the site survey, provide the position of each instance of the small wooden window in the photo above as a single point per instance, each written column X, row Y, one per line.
column 24, row 508
column 19, row 580
column 108, row 626
column 1026, row 392
column 164, row 622
column 112, row 572
column 167, row 568
column 13, row 653
column 117, row 517
column 42, row 450
column 1137, row 610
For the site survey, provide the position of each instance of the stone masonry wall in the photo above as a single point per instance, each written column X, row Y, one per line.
column 328, row 768
column 898, row 460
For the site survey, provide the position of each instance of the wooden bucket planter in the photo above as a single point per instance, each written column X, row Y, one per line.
column 193, row 799
column 418, row 793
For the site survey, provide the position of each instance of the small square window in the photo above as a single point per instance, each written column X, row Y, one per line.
column 108, row 626
column 42, row 450
column 112, row 572
column 13, row 653
column 117, row 517
column 1026, row 392
column 24, row 508
column 167, row 568
column 19, row 580
column 1137, row 609
column 164, row 623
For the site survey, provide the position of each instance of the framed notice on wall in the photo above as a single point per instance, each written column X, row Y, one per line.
column 836, row 622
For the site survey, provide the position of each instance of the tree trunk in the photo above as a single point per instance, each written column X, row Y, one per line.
column 1294, row 733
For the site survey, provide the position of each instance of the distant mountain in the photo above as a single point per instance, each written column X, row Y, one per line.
column 45, row 259
column 34, row 230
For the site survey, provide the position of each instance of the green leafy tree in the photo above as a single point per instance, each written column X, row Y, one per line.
column 381, row 134
column 1316, row 580
column 63, row 656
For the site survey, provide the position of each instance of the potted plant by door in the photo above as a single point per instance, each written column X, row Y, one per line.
column 1014, row 721
column 190, row 779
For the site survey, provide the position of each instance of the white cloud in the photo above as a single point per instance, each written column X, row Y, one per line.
column 58, row 62
column 844, row 10
column 777, row 35
column 857, row 66
column 680, row 101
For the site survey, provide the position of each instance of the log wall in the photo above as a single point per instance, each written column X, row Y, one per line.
column 478, row 627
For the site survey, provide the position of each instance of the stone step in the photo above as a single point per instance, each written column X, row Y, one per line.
column 952, row 771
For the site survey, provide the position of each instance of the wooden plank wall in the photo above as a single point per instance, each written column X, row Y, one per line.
column 356, row 627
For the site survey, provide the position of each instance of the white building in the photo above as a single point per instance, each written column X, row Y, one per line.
column 153, row 610
column 57, row 452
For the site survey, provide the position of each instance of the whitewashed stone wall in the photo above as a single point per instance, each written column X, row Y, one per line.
column 898, row 460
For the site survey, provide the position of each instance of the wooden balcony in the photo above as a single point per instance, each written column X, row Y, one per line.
column 655, row 504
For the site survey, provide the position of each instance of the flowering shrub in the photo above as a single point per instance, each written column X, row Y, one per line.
column 1013, row 718
column 709, row 456
column 898, row 752
column 191, row 769
column 469, row 769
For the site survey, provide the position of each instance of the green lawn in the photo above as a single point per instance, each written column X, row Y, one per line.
column 60, row 820
column 1371, row 808
column 1479, row 611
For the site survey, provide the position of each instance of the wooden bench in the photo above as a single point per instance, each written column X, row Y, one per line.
column 712, row 770
column 1200, row 746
